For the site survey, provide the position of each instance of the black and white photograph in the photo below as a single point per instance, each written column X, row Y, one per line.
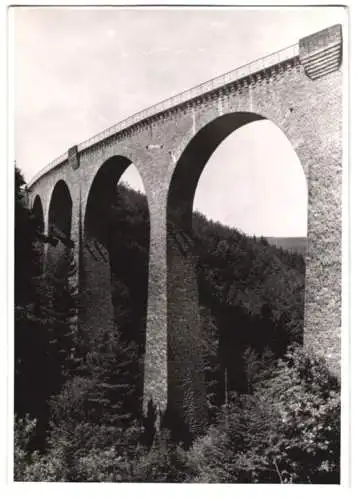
column 178, row 243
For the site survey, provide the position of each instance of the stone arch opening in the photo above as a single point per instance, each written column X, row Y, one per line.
column 114, row 268
column 254, row 181
column 37, row 210
column 194, row 248
column 39, row 246
column 59, row 228
column 193, row 160
column 60, row 211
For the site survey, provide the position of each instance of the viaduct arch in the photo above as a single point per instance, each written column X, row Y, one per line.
column 299, row 89
column 37, row 209
column 38, row 212
column 95, row 266
column 59, row 226
column 184, row 359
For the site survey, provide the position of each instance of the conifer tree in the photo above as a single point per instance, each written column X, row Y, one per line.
column 25, row 234
column 113, row 368
column 67, row 347
column 31, row 341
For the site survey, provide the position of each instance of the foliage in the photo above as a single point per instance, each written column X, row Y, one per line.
column 23, row 430
column 251, row 293
column 112, row 372
column 45, row 314
column 164, row 462
column 286, row 430
column 104, row 465
column 281, row 423
column 66, row 347
column 73, row 461
column 31, row 354
column 25, row 234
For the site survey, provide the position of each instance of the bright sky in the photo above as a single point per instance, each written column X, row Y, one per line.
column 78, row 71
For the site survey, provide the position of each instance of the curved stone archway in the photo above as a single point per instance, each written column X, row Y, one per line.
column 37, row 210
column 186, row 388
column 114, row 290
column 103, row 268
column 95, row 273
column 60, row 211
column 59, row 227
column 193, row 159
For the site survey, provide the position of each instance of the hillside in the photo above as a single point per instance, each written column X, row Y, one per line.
column 291, row 244
column 251, row 293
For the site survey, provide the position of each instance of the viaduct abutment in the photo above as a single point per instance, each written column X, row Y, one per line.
column 300, row 90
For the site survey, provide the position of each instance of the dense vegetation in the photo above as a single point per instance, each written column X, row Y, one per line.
column 274, row 410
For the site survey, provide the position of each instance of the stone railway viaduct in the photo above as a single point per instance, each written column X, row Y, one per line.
column 299, row 89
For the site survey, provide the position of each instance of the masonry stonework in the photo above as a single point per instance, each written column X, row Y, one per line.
column 300, row 90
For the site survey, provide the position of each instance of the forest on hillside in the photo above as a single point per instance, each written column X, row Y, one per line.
column 274, row 409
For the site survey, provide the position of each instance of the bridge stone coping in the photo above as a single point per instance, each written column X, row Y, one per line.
column 212, row 85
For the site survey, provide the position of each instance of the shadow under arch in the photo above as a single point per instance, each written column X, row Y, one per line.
column 39, row 247
column 187, row 389
column 37, row 209
column 59, row 228
column 102, row 196
column 60, row 211
column 114, row 270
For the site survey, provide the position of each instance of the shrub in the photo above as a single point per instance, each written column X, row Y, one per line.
column 23, row 432
column 31, row 465
column 165, row 462
column 287, row 430
column 104, row 465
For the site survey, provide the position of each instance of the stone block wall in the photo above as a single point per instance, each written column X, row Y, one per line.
column 186, row 382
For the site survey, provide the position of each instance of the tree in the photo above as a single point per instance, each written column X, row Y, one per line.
column 67, row 348
column 45, row 313
column 30, row 340
column 25, row 235
column 286, row 430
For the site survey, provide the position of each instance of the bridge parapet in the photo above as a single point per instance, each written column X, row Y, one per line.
column 57, row 162
column 253, row 68
column 193, row 93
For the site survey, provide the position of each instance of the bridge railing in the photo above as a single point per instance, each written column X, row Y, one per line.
column 54, row 163
column 187, row 95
